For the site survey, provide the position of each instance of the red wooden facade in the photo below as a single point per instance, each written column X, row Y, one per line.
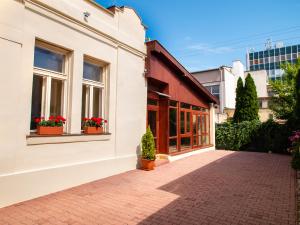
column 178, row 105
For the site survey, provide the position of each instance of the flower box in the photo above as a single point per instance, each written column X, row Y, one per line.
column 41, row 130
column 93, row 130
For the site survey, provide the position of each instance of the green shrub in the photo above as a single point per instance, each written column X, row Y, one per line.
column 232, row 136
column 148, row 145
column 270, row 136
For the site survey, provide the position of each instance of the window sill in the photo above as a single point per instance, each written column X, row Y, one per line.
column 34, row 139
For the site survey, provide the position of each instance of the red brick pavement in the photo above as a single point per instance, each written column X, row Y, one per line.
column 213, row 188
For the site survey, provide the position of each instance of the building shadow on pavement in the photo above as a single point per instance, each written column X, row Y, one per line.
column 242, row 188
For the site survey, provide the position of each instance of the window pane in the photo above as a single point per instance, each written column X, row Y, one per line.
column 85, row 102
column 49, row 60
column 152, row 121
column 188, row 122
column 173, row 145
column 36, row 101
column 173, row 103
column 56, row 97
column 92, row 72
column 194, row 124
column 205, row 140
column 152, row 101
column 172, row 122
column 97, row 97
column 182, row 122
column 185, row 105
column 185, row 142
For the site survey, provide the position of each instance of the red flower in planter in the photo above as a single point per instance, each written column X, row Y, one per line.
column 93, row 122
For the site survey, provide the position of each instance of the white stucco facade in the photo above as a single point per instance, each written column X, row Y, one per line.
column 35, row 166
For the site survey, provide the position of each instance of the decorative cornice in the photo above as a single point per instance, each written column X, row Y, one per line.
column 58, row 13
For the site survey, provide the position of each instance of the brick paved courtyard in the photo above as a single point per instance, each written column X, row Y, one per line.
column 217, row 188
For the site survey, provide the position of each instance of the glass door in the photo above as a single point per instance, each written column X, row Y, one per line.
column 153, row 120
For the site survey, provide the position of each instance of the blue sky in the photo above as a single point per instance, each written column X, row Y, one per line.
column 207, row 34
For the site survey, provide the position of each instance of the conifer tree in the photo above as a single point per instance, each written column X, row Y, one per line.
column 238, row 101
column 250, row 101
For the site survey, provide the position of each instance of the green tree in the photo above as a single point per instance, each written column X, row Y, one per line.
column 283, row 100
column 250, row 101
column 297, row 95
column 238, row 101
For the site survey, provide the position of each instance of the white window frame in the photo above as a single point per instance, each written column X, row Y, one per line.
column 91, row 84
column 48, row 75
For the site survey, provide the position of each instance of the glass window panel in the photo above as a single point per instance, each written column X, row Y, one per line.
column 185, row 105
column 92, row 72
column 188, row 122
column 203, row 123
column 194, row 124
column 194, row 140
column 182, row 122
column 266, row 53
column 255, row 55
column 97, row 99
column 152, row 101
column 282, row 51
column 215, row 89
column 267, row 60
column 256, row 67
column 298, row 48
column 288, row 50
column 197, row 108
column 173, row 145
column 199, row 124
column 282, row 58
column 36, row 100
column 205, row 140
column 251, row 68
column 261, row 60
column 56, row 97
column 173, row 103
column 207, row 123
column 294, row 49
column 48, row 60
column 289, row 57
column 185, row 143
column 294, row 56
column 84, row 105
column 261, row 66
column 152, row 117
column 261, row 54
column 272, row 52
column 251, row 56
column 172, row 122
column 251, row 62
column 277, row 52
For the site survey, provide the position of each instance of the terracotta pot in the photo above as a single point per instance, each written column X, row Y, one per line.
column 93, row 130
column 50, row 130
column 147, row 164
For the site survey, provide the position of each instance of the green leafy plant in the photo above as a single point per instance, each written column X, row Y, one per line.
column 148, row 145
column 283, row 101
column 295, row 150
column 232, row 136
column 53, row 121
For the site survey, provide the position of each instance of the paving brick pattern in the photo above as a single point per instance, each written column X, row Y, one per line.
column 213, row 188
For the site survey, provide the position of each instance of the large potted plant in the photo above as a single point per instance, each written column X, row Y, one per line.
column 148, row 150
column 94, row 125
column 52, row 126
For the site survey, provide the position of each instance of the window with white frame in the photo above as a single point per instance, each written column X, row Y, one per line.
column 93, row 87
column 214, row 90
column 49, row 88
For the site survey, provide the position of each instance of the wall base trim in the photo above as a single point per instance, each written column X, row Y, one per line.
column 24, row 186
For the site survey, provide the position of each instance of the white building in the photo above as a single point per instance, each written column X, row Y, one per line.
column 73, row 58
column 222, row 82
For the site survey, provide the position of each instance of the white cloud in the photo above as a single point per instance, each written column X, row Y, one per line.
column 205, row 48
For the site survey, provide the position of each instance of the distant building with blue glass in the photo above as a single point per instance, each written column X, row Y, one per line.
column 271, row 59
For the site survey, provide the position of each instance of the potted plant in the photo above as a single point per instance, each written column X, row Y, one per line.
column 52, row 126
column 93, row 125
column 148, row 150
